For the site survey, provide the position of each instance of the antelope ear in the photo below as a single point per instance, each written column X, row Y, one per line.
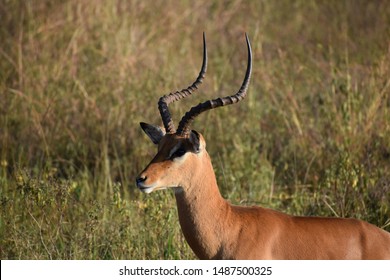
column 195, row 140
column 154, row 132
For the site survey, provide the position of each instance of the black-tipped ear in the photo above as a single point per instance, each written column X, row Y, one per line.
column 154, row 132
column 195, row 140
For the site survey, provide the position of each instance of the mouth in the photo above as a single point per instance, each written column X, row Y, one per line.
column 144, row 188
column 148, row 189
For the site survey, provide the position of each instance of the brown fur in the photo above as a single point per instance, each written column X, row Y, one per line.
column 215, row 229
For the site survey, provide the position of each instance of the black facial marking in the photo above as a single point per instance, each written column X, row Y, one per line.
column 194, row 140
column 179, row 152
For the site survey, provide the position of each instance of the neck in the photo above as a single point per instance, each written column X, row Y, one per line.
column 202, row 213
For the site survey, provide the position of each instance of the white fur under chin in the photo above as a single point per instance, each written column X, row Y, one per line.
column 148, row 190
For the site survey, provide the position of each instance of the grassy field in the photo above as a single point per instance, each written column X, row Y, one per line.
column 77, row 77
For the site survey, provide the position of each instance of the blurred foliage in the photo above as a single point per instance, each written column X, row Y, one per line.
column 76, row 78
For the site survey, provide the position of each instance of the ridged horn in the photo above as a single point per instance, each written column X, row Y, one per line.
column 188, row 118
column 165, row 100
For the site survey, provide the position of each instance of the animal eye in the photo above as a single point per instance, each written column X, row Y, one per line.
column 178, row 153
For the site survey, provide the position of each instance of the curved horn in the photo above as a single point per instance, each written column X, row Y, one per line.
column 172, row 97
column 189, row 117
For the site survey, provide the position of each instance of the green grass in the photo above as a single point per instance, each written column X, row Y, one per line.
column 77, row 77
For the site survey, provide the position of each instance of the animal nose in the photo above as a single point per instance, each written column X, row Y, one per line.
column 140, row 179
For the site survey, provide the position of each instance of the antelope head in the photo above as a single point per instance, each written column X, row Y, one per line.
column 182, row 152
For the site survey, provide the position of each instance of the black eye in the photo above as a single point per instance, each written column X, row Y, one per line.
column 178, row 153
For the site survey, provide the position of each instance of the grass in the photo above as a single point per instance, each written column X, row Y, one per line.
column 77, row 77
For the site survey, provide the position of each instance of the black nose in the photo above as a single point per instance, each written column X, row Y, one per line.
column 140, row 179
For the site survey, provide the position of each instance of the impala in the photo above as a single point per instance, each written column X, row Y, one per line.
column 215, row 229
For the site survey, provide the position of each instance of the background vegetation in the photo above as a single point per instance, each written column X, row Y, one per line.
column 77, row 77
